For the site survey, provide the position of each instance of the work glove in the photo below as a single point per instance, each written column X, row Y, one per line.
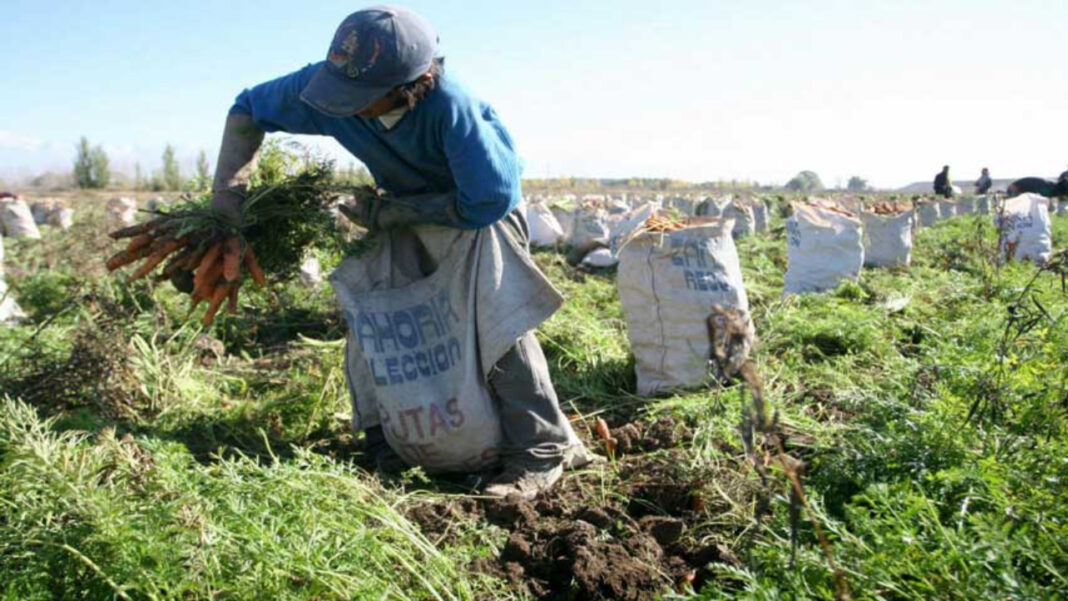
column 378, row 211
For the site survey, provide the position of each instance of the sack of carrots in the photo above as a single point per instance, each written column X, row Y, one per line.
column 209, row 257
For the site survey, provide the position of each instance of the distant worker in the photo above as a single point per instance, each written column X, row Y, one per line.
column 982, row 185
column 943, row 186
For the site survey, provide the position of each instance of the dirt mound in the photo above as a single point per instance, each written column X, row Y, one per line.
column 578, row 543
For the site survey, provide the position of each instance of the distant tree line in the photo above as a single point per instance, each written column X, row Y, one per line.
column 92, row 171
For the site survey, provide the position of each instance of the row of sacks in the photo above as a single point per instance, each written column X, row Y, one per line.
column 826, row 245
column 20, row 220
column 930, row 212
column 592, row 229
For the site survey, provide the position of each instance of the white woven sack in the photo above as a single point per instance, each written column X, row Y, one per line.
column 947, row 209
column 61, row 217
column 823, row 248
column 669, row 286
column 1027, row 226
column 631, row 224
column 565, row 216
column 966, row 206
column 18, row 220
column 545, row 230
column 742, row 214
column 123, row 211
column 760, row 216
column 601, row 257
column 927, row 213
column 42, row 209
column 887, row 239
column 591, row 228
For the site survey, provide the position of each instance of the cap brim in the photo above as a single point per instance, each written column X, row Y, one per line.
column 339, row 96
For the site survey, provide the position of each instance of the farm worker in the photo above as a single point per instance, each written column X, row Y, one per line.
column 386, row 96
column 942, row 183
column 982, row 185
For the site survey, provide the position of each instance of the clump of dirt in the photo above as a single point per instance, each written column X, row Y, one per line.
column 577, row 543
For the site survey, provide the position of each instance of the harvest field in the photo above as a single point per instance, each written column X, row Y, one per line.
column 143, row 456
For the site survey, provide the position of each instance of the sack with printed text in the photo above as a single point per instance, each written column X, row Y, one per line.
column 1024, row 224
column 685, row 305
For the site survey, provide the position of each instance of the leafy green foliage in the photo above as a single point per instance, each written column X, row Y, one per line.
column 91, row 166
column 805, row 181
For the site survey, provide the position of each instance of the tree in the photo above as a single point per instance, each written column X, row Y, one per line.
column 857, row 184
column 139, row 178
column 101, row 167
column 91, row 166
column 172, row 177
column 203, row 179
column 806, row 181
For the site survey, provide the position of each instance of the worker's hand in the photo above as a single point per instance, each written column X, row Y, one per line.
column 227, row 203
column 363, row 211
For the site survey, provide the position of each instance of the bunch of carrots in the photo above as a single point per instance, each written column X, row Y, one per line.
column 215, row 260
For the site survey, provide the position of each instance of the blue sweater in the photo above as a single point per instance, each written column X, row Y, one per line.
column 449, row 143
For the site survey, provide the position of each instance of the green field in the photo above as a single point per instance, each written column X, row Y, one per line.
column 144, row 458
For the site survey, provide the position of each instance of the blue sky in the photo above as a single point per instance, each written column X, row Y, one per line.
column 697, row 90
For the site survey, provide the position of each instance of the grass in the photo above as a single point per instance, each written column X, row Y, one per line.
column 219, row 464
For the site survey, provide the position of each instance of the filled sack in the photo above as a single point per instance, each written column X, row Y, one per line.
column 545, row 230
column 947, row 209
column 824, row 247
column 1024, row 226
column 122, row 211
column 675, row 288
column 927, row 213
column 17, row 219
column 887, row 239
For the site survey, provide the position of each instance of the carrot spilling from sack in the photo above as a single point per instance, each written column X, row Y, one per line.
column 210, row 258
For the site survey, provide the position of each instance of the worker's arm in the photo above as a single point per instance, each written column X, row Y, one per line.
column 237, row 160
column 484, row 165
column 268, row 107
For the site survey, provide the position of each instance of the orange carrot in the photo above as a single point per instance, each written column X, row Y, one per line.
column 231, row 259
column 119, row 259
column 157, row 257
column 175, row 263
column 254, row 269
column 139, row 241
column 601, row 427
column 136, row 230
column 209, row 259
column 221, row 292
column 209, row 279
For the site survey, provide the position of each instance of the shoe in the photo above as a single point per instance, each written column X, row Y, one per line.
column 577, row 456
column 383, row 457
column 526, row 483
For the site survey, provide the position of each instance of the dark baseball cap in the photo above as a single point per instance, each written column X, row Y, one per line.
column 374, row 51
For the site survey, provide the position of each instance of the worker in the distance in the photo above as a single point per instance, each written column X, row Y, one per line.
column 983, row 184
column 942, row 184
column 443, row 157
